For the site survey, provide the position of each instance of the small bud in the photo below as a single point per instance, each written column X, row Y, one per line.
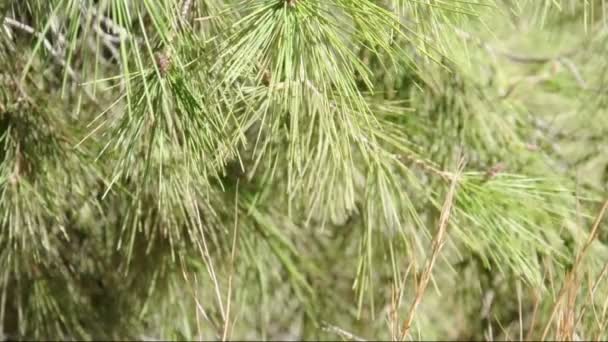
column 266, row 78
column 494, row 170
column 163, row 62
column 532, row 147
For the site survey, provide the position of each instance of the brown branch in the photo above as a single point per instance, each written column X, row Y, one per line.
column 572, row 279
column 342, row 333
column 186, row 8
column 10, row 22
column 559, row 59
column 437, row 244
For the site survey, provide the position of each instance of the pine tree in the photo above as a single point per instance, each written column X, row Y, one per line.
column 303, row 169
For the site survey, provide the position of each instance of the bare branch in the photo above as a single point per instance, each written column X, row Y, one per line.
column 437, row 244
column 10, row 22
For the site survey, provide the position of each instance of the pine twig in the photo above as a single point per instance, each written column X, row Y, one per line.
column 10, row 22
column 343, row 333
column 437, row 244
column 232, row 259
column 572, row 279
column 186, row 8
column 559, row 59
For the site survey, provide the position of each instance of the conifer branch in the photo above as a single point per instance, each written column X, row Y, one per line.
column 57, row 54
column 437, row 244
column 257, row 169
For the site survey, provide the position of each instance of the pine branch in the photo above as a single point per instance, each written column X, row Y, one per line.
column 437, row 244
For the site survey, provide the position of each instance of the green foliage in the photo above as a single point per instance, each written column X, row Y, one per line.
column 216, row 169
